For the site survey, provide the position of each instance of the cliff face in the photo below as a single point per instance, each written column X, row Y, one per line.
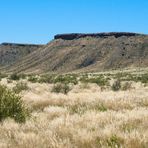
column 95, row 35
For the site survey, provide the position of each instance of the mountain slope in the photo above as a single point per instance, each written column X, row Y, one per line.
column 86, row 52
column 11, row 53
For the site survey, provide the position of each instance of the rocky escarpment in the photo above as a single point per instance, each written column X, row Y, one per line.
column 96, row 35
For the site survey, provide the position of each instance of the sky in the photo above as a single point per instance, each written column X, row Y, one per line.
column 37, row 21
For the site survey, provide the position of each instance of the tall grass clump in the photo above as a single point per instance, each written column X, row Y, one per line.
column 12, row 106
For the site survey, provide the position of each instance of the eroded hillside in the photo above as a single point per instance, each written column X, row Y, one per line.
column 11, row 53
column 86, row 52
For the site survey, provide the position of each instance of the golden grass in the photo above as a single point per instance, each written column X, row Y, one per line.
column 85, row 118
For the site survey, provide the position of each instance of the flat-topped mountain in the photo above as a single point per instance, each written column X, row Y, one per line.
column 81, row 53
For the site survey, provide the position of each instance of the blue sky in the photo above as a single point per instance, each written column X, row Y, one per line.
column 37, row 21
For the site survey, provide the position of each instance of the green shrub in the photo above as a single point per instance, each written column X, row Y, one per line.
column 14, row 76
column 12, row 106
column 116, row 85
column 46, row 79
column 20, row 86
column 114, row 142
column 33, row 79
column 61, row 88
column 101, row 81
column 67, row 79
column 143, row 78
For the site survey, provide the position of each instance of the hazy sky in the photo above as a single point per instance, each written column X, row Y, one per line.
column 37, row 21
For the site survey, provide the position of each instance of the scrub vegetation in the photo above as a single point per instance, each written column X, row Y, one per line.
column 87, row 110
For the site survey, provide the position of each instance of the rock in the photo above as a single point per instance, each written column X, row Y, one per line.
column 96, row 35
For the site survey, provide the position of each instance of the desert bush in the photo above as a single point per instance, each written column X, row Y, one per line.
column 116, row 85
column 12, row 106
column 67, row 79
column 33, row 79
column 114, row 142
column 46, row 79
column 143, row 78
column 101, row 81
column 14, row 76
column 20, row 86
column 61, row 88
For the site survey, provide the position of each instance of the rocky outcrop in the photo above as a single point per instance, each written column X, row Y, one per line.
column 96, row 35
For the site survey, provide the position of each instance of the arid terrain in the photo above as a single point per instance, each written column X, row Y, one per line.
column 86, row 110
column 77, row 91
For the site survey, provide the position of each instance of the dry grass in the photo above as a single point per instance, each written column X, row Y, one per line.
column 84, row 118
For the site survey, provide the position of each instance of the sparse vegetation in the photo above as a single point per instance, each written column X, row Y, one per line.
column 33, row 79
column 46, row 79
column 99, row 80
column 67, row 79
column 20, row 86
column 85, row 117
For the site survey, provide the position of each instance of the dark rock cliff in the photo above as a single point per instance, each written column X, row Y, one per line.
column 97, row 35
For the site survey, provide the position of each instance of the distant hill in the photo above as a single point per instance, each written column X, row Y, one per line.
column 11, row 53
column 79, row 53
